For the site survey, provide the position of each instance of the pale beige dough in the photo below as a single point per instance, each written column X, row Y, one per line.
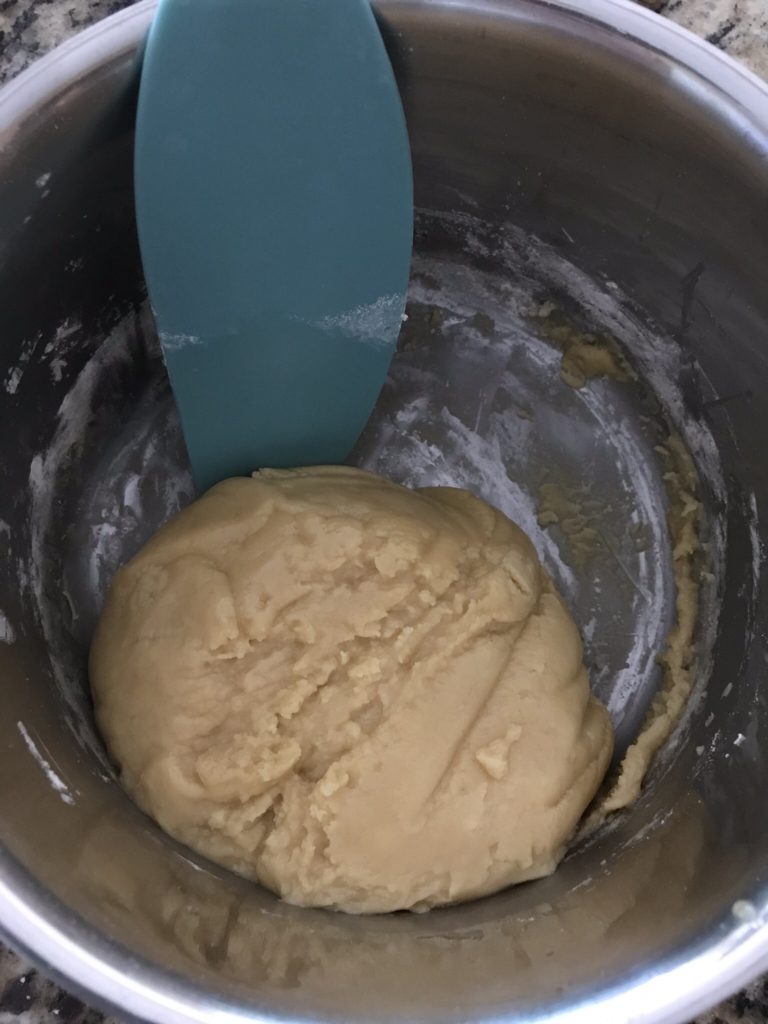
column 365, row 697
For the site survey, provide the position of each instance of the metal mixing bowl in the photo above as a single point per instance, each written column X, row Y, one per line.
column 578, row 159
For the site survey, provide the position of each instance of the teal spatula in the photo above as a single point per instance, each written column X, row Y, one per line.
column 275, row 213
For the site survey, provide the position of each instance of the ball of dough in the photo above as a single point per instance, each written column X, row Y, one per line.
column 364, row 696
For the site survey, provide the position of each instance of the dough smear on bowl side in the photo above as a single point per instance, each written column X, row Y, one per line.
column 588, row 354
column 363, row 696
column 677, row 660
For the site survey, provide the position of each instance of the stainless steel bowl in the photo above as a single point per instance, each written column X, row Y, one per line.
column 583, row 155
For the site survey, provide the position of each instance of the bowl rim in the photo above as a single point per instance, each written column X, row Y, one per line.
column 103, row 972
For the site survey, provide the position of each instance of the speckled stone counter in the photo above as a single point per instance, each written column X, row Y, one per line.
column 29, row 28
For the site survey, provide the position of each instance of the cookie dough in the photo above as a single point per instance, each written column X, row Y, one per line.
column 363, row 696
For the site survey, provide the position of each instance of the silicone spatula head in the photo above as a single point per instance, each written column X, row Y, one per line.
column 275, row 212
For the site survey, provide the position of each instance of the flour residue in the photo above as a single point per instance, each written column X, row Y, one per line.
column 176, row 342
column 56, row 781
column 7, row 632
column 16, row 372
column 375, row 323
column 758, row 552
column 47, row 476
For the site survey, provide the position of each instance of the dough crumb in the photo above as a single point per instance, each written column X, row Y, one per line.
column 494, row 756
column 586, row 354
column 560, row 507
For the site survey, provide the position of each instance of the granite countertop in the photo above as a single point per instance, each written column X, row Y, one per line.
column 29, row 28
